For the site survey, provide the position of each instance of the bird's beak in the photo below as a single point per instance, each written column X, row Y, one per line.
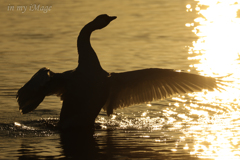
column 113, row 17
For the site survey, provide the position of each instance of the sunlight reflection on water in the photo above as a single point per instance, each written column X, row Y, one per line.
column 203, row 125
column 216, row 53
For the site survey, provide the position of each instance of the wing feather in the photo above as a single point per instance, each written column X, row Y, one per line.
column 43, row 83
column 141, row 86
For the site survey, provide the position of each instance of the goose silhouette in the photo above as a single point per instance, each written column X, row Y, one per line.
column 89, row 88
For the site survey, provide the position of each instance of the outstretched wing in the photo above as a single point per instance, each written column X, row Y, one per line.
column 42, row 84
column 146, row 85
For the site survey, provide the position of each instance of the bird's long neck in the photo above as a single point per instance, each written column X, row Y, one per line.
column 88, row 60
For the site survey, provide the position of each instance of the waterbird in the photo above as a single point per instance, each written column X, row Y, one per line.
column 87, row 89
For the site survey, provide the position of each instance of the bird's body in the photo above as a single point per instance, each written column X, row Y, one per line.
column 88, row 88
column 83, row 91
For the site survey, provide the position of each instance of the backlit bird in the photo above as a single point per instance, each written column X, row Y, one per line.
column 89, row 88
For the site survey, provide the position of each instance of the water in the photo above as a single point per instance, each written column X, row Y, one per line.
column 184, row 34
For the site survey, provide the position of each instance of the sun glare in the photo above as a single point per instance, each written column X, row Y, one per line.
column 217, row 48
column 216, row 54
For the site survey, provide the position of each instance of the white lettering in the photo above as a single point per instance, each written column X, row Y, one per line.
column 10, row 7
column 22, row 8
column 44, row 9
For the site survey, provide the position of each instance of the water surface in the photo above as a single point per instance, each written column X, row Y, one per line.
column 196, row 36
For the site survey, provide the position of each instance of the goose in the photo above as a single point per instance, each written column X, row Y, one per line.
column 87, row 89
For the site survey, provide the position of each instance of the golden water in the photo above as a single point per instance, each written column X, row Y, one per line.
column 200, row 37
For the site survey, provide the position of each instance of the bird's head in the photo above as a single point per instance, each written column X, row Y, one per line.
column 102, row 21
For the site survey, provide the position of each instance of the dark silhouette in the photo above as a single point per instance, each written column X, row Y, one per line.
column 88, row 88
